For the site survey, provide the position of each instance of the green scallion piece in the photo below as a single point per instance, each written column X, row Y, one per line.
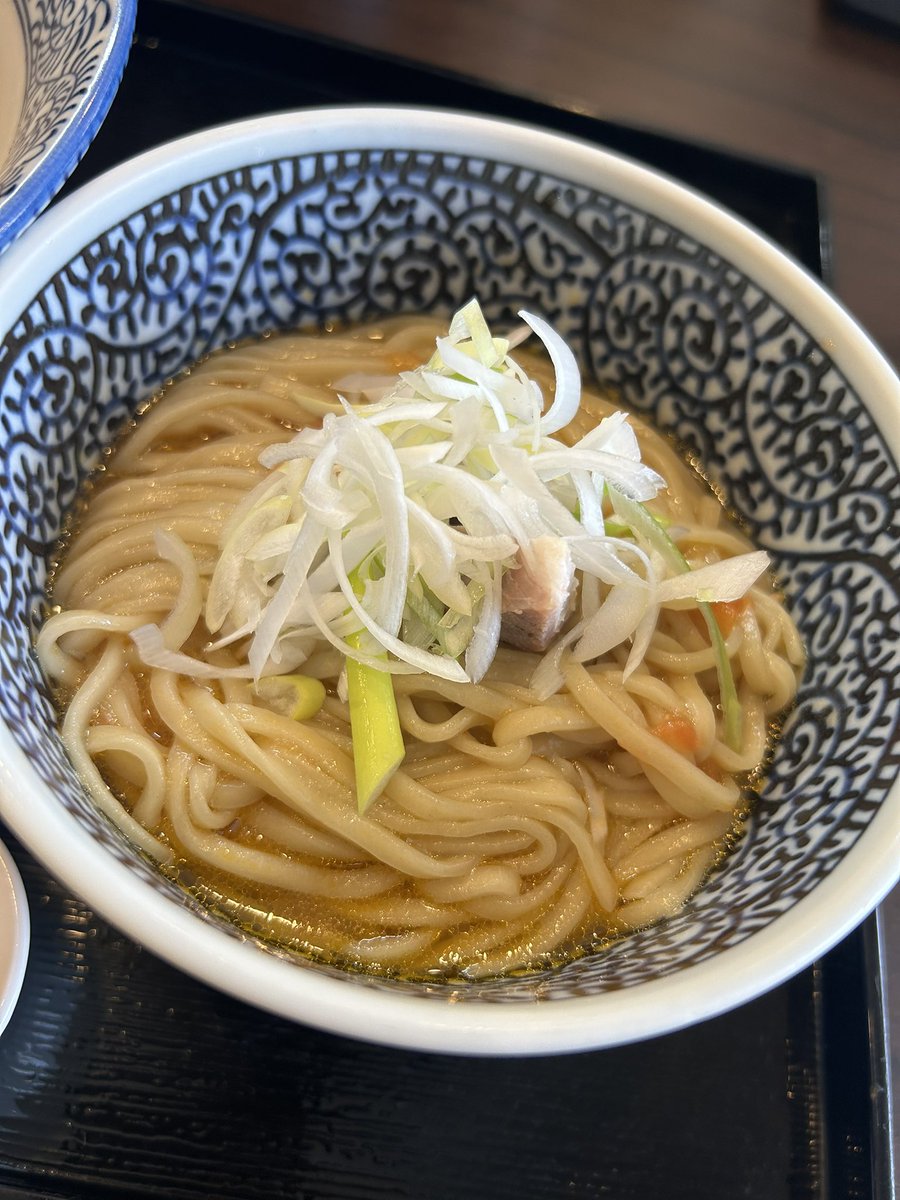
column 643, row 522
column 378, row 748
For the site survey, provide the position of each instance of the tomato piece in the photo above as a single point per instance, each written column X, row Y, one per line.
column 678, row 732
column 726, row 612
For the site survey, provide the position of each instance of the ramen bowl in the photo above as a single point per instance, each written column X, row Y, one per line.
column 60, row 66
column 335, row 216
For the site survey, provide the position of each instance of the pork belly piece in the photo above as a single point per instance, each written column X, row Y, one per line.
column 537, row 597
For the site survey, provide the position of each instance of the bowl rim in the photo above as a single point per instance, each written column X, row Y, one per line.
column 13, row 904
column 47, row 174
column 341, row 1005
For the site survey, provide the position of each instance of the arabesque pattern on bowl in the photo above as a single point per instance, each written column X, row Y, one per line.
column 681, row 333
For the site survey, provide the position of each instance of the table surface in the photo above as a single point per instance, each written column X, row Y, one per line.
column 801, row 83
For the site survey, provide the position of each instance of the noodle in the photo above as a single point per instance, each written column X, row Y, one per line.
column 520, row 830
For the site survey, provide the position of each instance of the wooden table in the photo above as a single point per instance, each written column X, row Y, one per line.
column 788, row 80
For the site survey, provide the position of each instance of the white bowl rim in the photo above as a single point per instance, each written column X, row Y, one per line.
column 734, row 976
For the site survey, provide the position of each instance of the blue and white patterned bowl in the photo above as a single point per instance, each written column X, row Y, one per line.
column 340, row 215
column 60, row 66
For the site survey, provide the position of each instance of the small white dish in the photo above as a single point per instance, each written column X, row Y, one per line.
column 15, row 935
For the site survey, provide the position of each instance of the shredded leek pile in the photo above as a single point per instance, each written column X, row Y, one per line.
column 388, row 530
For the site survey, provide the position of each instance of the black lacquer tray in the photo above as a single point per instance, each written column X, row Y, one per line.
column 121, row 1078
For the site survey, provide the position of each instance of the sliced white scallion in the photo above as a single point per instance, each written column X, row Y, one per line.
column 445, row 481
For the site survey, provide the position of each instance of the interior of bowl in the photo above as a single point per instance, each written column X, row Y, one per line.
column 674, row 327
column 60, row 62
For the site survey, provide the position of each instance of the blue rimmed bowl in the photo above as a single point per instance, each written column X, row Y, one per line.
column 60, row 65
column 699, row 322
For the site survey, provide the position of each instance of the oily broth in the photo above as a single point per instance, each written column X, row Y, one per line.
column 320, row 932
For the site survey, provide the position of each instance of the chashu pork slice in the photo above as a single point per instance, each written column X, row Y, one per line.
column 537, row 595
